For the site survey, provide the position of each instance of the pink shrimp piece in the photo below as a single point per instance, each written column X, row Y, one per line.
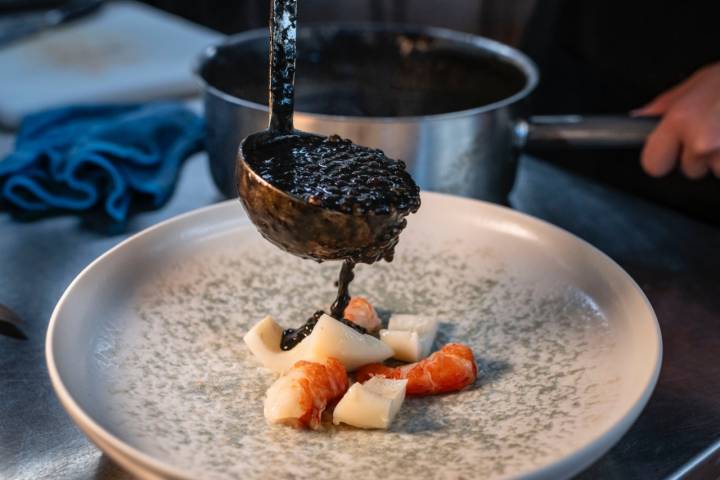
column 450, row 369
column 361, row 312
column 300, row 396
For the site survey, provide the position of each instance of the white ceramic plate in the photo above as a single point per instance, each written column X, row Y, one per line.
column 145, row 349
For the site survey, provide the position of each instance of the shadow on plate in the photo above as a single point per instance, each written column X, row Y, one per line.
column 490, row 371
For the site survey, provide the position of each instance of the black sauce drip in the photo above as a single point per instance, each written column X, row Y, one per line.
column 331, row 172
column 343, row 295
column 292, row 336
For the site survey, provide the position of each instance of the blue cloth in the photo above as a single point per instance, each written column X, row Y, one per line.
column 113, row 157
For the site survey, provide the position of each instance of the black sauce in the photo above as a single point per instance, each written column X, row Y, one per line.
column 361, row 72
column 292, row 336
column 343, row 283
column 335, row 173
column 331, row 173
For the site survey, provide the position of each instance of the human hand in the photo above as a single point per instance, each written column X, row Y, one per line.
column 689, row 129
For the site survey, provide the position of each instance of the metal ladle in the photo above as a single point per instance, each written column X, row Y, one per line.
column 289, row 222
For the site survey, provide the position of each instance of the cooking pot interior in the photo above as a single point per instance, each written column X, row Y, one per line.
column 371, row 72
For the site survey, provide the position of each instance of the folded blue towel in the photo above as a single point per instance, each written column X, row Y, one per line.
column 112, row 157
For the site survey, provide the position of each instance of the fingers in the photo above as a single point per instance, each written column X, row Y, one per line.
column 698, row 154
column 689, row 132
column 661, row 150
column 660, row 104
column 700, row 143
column 714, row 163
column 694, row 166
column 689, row 129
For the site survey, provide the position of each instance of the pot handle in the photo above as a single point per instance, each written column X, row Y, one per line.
column 546, row 132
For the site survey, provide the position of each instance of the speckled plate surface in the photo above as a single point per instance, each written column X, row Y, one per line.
column 145, row 349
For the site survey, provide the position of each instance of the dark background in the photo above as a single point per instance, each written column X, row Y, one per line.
column 500, row 19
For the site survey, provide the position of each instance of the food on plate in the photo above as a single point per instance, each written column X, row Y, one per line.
column 372, row 404
column 329, row 338
column 299, row 397
column 450, row 369
column 410, row 336
column 313, row 362
column 314, row 370
column 361, row 312
column 327, row 198
column 292, row 336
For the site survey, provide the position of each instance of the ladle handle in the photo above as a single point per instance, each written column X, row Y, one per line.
column 283, row 28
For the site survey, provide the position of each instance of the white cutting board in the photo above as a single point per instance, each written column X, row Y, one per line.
column 126, row 52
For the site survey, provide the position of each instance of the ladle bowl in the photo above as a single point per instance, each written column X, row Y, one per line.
column 288, row 221
column 307, row 230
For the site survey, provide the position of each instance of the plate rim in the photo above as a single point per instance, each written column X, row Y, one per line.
column 144, row 465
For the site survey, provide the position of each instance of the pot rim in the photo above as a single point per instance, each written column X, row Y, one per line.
column 511, row 55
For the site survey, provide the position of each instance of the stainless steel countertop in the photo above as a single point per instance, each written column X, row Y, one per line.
column 674, row 259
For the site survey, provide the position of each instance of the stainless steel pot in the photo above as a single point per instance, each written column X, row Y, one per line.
column 471, row 151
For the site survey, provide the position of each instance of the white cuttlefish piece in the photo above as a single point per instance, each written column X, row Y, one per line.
column 410, row 336
column 329, row 338
column 373, row 404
